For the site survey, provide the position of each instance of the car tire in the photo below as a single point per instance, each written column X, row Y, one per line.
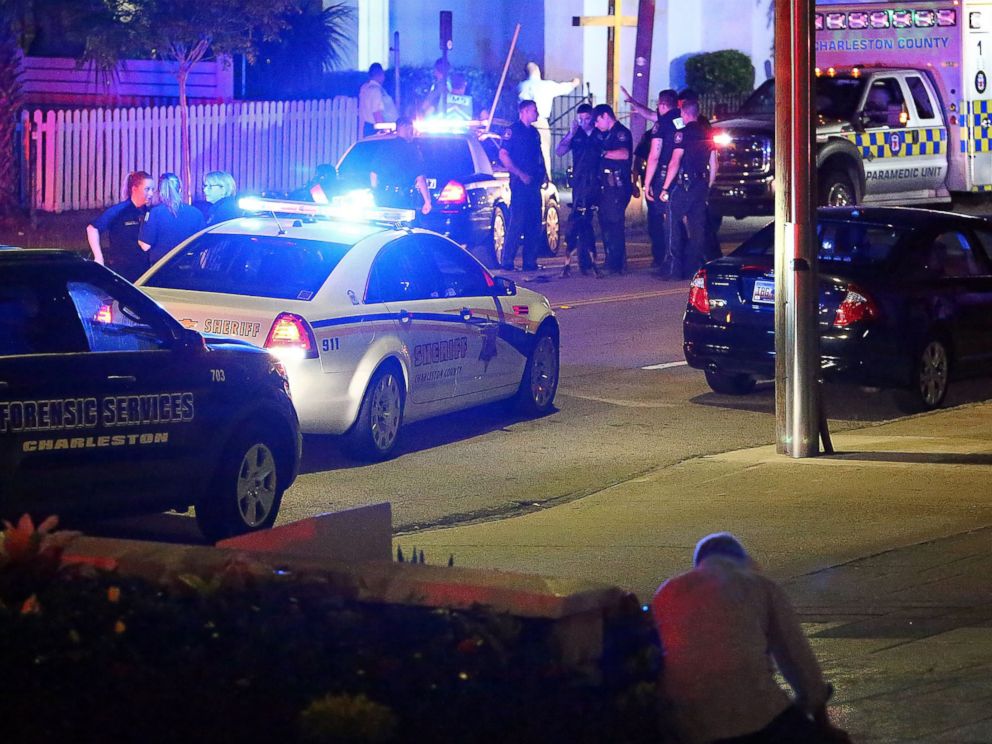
column 552, row 227
column 539, row 384
column 837, row 190
column 931, row 374
column 497, row 237
column 373, row 435
column 730, row 384
column 246, row 490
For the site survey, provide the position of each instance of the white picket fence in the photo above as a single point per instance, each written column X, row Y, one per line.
column 81, row 158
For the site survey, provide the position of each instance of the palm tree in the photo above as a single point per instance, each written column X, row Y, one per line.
column 313, row 42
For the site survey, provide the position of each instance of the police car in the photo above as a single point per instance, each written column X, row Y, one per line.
column 108, row 405
column 377, row 324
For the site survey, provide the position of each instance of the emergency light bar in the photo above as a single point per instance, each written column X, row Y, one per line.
column 859, row 20
column 343, row 210
column 436, row 126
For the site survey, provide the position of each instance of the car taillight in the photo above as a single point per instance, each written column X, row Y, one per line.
column 856, row 306
column 453, row 194
column 291, row 338
column 698, row 296
column 105, row 314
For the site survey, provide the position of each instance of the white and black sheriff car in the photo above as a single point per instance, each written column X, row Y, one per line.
column 108, row 405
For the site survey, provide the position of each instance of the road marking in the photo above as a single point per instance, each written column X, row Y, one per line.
column 666, row 365
column 621, row 298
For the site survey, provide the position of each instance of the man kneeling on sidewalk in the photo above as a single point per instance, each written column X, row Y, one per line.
column 724, row 628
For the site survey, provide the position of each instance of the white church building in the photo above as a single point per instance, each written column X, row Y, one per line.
column 482, row 30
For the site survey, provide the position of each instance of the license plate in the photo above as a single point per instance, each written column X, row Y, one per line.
column 764, row 291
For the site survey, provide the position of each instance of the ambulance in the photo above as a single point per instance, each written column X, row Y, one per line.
column 903, row 110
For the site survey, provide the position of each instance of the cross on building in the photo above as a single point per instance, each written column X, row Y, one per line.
column 614, row 24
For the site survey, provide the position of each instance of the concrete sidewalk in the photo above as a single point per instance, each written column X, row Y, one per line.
column 885, row 547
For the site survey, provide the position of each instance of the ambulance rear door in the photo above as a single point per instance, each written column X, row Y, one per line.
column 976, row 134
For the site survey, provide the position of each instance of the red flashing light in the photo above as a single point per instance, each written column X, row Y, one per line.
column 856, row 307
column 105, row 314
column 290, row 332
column 453, row 194
column 698, row 296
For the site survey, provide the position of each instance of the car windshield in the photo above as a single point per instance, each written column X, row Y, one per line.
column 841, row 243
column 836, row 98
column 251, row 265
column 445, row 158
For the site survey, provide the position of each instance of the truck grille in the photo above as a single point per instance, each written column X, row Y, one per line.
column 746, row 155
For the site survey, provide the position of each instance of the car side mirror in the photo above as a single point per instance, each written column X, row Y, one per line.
column 190, row 340
column 504, row 287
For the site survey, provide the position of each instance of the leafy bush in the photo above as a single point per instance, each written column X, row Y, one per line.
column 725, row 72
column 248, row 656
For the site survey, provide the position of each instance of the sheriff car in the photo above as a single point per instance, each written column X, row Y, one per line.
column 378, row 324
column 108, row 405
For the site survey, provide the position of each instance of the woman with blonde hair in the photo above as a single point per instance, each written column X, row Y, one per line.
column 220, row 190
column 170, row 221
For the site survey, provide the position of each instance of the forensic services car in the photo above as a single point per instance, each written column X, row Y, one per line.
column 377, row 323
column 109, row 406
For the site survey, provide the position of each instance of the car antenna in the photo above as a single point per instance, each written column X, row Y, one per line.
column 282, row 231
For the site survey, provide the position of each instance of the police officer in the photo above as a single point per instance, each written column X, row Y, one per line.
column 122, row 222
column 662, row 143
column 397, row 175
column 712, row 240
column 583, row 142
column 615, row 184
column 691, row 171
column 521, row 155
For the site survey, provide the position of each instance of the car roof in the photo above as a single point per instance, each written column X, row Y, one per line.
column 912, row 217
column 39, row 255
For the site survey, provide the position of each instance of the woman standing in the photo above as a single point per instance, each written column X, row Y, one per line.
column 220, row 191
column 170, row 221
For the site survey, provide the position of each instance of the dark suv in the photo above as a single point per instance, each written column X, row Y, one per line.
column 109, row 405
column 469, row 187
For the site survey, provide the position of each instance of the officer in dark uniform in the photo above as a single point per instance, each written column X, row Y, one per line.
column 397, row 175
column 583, row 142
column 662, row 143
column 686, row 187
column 122, row 222
column 615, row 184
column 712, row 240
column 521, row 155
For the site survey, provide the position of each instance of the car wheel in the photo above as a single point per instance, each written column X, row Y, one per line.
column 246, row 491
column 498, row 239
column 836, row 190
column 552, row 227
column 539, row 384
column 931, row 375
column 730, row 384
column 373, row 435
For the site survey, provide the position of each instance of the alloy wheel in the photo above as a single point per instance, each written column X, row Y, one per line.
column 257, row 485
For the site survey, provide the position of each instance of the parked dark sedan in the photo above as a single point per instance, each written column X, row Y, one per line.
column 905, row 302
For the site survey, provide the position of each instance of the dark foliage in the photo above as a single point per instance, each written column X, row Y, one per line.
column 239, row 659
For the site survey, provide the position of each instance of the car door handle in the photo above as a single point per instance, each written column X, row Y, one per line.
column 405, row 317
column 121, row 378
column 4, row 384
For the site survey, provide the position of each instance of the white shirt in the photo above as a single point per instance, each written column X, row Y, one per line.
column 543, row 93
column 373, row 98
column 724, row 627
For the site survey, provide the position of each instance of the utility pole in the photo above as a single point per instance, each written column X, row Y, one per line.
column 642, row 64
column 797, row 349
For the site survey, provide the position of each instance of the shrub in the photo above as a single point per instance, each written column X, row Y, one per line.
column 723, row 73
column 249, row 655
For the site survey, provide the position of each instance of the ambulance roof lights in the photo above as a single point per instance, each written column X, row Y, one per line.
column 351, row 208
column 859, row 20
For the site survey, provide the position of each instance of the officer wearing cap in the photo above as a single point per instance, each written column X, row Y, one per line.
column 397, row 175
column 615, row 184
column 663, row 132
column 521, row 155
column 691, row 171
column 582, row 141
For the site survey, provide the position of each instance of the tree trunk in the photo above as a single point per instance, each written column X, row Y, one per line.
column 10, row 105
column 186, row 167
